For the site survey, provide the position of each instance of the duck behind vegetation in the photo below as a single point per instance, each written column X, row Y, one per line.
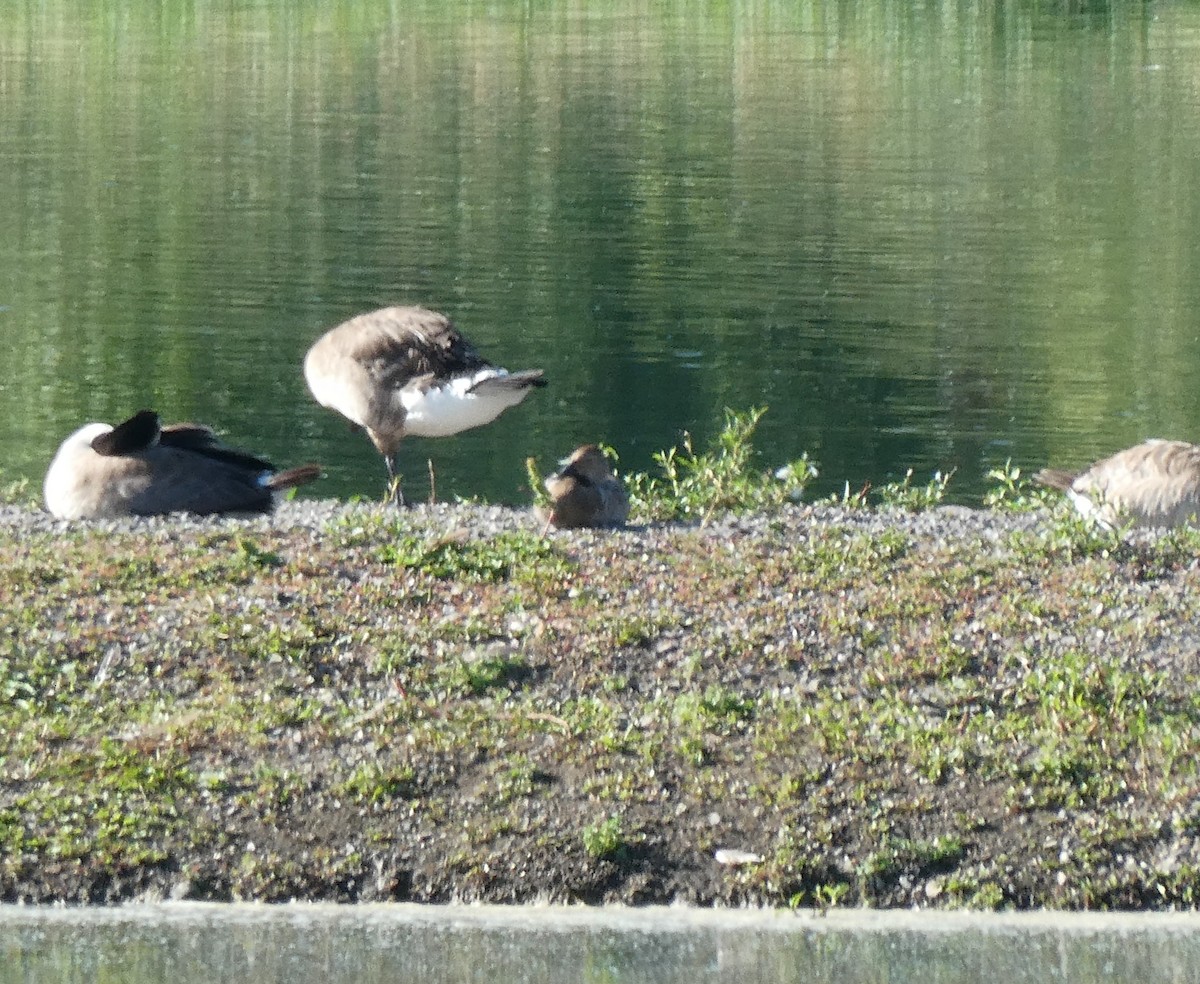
column 586, row 493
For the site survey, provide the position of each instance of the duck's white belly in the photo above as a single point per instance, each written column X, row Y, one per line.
column 451, row 407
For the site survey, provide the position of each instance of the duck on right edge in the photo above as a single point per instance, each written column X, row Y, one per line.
column 1155, row 483
column 584, row 492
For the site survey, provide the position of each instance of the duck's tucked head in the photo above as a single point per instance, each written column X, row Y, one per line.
column 589, row 463
column 139, row 433
column 584, row 492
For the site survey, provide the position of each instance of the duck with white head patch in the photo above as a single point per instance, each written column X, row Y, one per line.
column 141, row 468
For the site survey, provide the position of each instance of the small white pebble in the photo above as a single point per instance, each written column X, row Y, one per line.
column 725, row 856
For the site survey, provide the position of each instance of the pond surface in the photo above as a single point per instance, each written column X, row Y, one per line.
column 188, row 943
column 933, row 235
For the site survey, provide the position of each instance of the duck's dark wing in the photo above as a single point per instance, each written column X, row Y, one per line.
column 182, row 480
column 200, row 440
column 615, row 508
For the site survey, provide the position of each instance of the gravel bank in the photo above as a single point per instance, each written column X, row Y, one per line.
column 818, row 706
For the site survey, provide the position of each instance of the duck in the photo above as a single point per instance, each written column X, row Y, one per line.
column 406, row 370
column 141, row 468
column 1155, row 483
column 584, row 492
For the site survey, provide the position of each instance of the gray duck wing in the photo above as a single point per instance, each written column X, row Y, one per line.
column 401, row 343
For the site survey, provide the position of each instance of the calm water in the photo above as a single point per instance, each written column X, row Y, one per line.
column 928, row 236
column 372, row 945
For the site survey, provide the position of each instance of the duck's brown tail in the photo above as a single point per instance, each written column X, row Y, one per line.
column 300, row 475
column 1055, row 478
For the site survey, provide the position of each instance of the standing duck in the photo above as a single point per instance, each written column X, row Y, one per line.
column 407, row 370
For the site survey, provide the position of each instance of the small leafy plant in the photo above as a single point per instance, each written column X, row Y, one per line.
column 699, row 484
column 604, row 840
column 1012, row 491
column 850, row 500
column 905, row 495
column 372, row 782
column 537, row 485
column 16, row 492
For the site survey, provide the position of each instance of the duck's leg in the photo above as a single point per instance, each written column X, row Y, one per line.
column 393, row 496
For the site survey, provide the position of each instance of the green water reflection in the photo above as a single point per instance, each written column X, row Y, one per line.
column 935, row 235
column 281, row 945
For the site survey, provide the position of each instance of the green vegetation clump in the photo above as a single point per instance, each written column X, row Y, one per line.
column 459, row 557
column 1013, row 491
column 905, row 495
column 604, row 839
column 696, row 485
column 17, row 492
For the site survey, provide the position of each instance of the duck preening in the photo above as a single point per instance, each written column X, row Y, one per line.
column 1155, row 483
column 141, row 468
column 584, row 492
column 407, row 370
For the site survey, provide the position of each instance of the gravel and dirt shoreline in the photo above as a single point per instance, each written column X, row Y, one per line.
column 817, row 706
